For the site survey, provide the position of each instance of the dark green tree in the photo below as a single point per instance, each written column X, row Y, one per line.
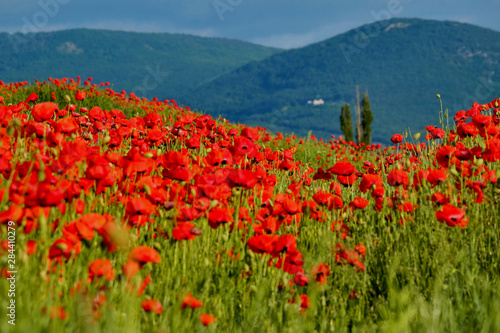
column 366, row 120
column 346, row 123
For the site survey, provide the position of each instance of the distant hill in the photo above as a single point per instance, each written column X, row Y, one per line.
column 402, row 63
column 159, row 65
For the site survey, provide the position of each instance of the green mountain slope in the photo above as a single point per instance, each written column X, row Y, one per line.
column 401, row 63
column 150, row 64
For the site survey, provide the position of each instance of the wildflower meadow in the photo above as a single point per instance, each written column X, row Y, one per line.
column 122, row 214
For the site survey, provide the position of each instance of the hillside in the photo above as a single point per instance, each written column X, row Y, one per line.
column 402, row 63
column 171, row 221
column 150, row 64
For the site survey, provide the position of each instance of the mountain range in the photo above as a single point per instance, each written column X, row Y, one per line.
column 401, row 63
column 159, row 65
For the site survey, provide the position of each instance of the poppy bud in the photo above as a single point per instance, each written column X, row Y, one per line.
column 148, row 154
column 62, row 246
column 67, row 98
column 157, row 246
column 41, row 176
column 284, row 280
column 416, row 136
column 147, row 189
column 213, row 203
column 479, row 161
column 454, row 172
column 10, row 130
column 438, row 96
column 107, row 139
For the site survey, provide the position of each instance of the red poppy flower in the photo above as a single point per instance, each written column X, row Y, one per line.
column 56, row 312
column 245, row 178
column 207, row 319
column 492, row 151
column 347, row 180
column 359, row 203
column 101, row 267
column 452, row 216
column 155, row 134
column 340, row 227
column 262, row 243
column 130, row 268
column 31, row 98
column 301, row 279
column 153, row 119
column 342, row 169
column 64, row 248
column 286, row 243
column 31, row 247
column 67, row 125
column 145, row 254
column 219, row 157
column 152, row 305
column 360, row 248
column 437, row 176
column 218, row 216
column 398, row 177
column 191, row 301
column 140, row 206
column 304, row 302
column 243, row 146
column 43, row 111
column 397, row 138
column 444, row 155
column 80, row 96
column 368, row 181
column 320, row 272
column 79, row 230
column 185, row 230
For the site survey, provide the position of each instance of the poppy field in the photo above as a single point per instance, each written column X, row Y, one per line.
column 121, row 214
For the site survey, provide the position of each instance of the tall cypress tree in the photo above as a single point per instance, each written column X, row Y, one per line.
column 346, row 123
column 367, row 118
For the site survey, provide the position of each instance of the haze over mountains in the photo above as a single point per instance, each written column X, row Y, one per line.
column 401, row 63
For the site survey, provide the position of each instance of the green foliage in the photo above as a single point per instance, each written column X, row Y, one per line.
column 346, row 123
column 366, row 120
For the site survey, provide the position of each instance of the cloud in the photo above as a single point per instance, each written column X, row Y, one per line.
column 281, row 23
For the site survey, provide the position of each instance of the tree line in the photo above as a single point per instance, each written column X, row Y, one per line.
column 364, row 118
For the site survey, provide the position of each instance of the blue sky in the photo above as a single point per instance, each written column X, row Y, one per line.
column 279, row 23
